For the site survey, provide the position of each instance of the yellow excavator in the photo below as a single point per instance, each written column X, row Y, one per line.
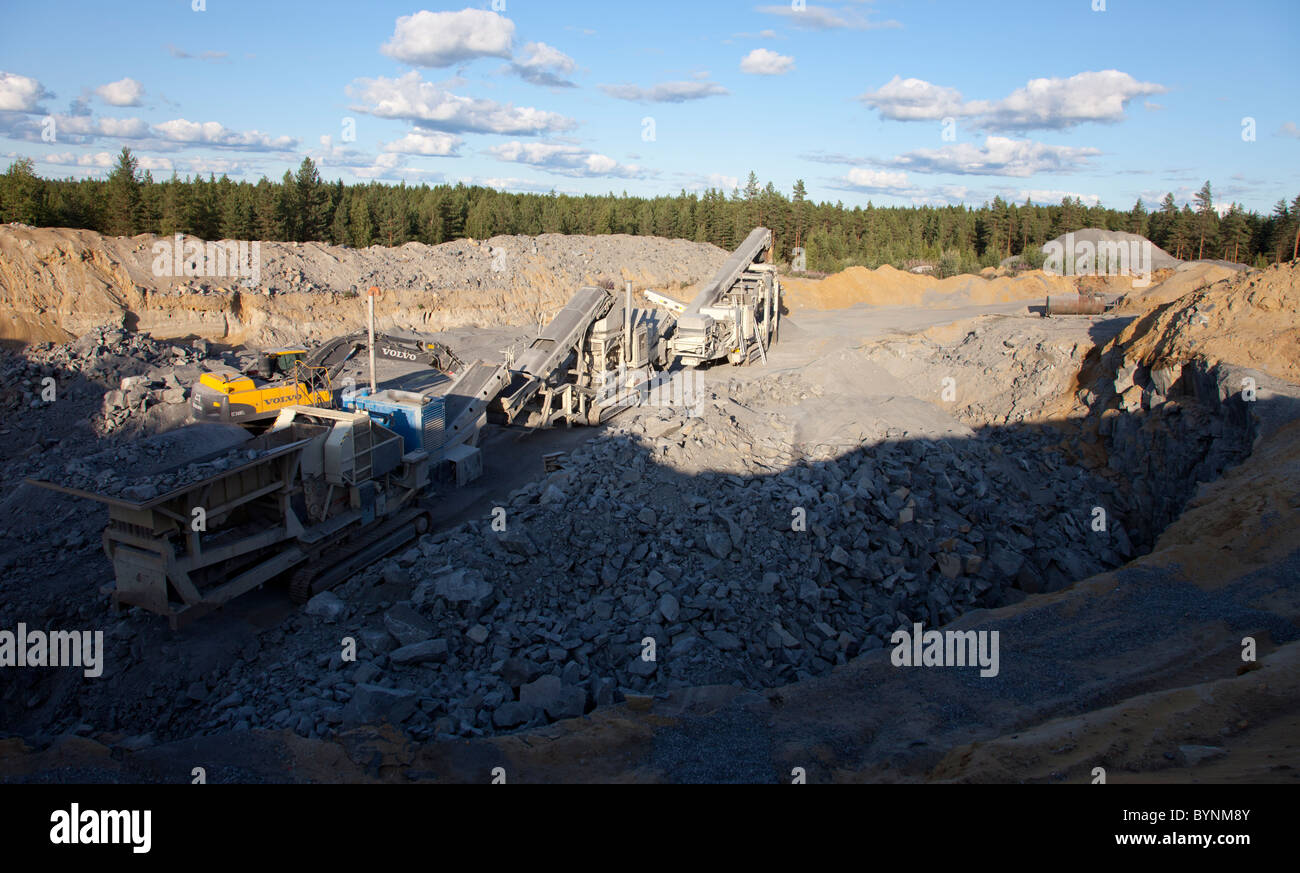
column 293, row 376
column 281, row 378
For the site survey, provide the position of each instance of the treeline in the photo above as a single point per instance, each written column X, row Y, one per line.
column 303, row 207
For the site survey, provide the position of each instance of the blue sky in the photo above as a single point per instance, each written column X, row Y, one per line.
column 925, row 101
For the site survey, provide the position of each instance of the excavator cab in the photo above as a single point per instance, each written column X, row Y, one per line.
column 275, row 364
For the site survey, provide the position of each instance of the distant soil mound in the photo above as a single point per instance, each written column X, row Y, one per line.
column 1152, row 277
column 887, row 286
column 57, row 283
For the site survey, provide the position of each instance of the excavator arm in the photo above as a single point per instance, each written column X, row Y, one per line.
column 335, row 353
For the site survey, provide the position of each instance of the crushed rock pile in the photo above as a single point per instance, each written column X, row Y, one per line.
column 675, row 528
column 997, row 370
column 1099, row 239
column 137, row 371
column 110, row 473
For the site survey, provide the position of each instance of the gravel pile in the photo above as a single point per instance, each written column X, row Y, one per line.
column 138, row 372
column 1098, row 239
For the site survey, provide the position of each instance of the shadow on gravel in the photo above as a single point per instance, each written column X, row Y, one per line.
column 931, row 531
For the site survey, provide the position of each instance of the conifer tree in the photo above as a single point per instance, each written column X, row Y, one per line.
column 123, row 212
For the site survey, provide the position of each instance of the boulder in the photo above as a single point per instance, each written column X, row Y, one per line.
column 719, row 543
column 556, row 699
column 669, row 608
column 517, row 670
column 419, row 653
column 512, row 714
column 374, row 703
column 407, row 626
column 462, row 586
column 327, row 605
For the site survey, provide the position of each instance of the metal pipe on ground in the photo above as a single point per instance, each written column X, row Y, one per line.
column 1074, row 304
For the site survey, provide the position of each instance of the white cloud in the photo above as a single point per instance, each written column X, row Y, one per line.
column 883, row 181
column 723, row 181
column 1052, row 104
column 1054, row 197
column 212, row 133
column 432, row 144
column 998, row 156
column 86, row 127
column 389, row 165
column 1060, row 103
column 666, row 92
column 127, row 128
column 338, row 155
column 765, row 62
column 105, row 160
column 811, row 17
column 440, row 39
column 899, row 185
column 219, row 166
column 513, row 184
column 123, row 92
column 21, row 93
column 914, row 100
column 1289, row 129
column 412, row 99
column 171, row 135
column 702, row 182
column 565, row 160
column 543, row 64
column 944, row 195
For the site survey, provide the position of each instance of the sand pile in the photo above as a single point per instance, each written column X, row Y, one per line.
column 1188, row 278
column 1251, row 320
column 887, row 286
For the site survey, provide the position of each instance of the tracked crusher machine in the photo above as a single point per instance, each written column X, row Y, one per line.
column 321, row 495
column 587, row 363
column 737, row 315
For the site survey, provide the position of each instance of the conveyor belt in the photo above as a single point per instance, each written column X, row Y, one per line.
column 469, row 396
column 748, row 252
